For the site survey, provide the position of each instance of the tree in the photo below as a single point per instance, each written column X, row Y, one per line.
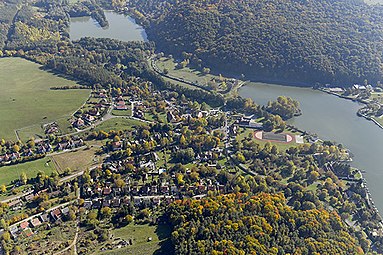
column 206, row 70
column 3, row 224
column 6, row 237
column 128, row 218
column 16, row 148
column 106, row 212
column 23, row 178
column 3, row 188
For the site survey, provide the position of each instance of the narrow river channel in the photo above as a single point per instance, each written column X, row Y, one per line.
column 334, row 119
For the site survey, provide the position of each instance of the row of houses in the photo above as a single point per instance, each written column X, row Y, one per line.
column 25, row 228
column 138, row 201
column 41, row 148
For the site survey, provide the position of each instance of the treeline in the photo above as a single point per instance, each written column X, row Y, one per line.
column 330, row 41
column 7, row 12
column 261, row 224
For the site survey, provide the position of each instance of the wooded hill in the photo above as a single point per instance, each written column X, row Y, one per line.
column 307, row 41
column 261, row 224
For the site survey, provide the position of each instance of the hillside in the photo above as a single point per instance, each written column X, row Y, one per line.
column 262, row 224
column 330, row 41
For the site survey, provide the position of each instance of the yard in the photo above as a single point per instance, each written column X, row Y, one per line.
column 26, row 101
column 10, row 173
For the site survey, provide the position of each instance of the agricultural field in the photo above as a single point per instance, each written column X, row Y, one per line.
column 10, row 173
column 76, row 160
column 26, row 101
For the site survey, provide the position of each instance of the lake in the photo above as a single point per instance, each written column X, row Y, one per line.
column 120, row 27
column 334, row 119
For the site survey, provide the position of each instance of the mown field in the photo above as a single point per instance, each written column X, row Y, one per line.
column 10, row 173
column 119, row 124
column 26, row 101
column 141, row 246
column 75, row 160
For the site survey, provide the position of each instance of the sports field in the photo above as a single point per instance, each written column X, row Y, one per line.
column 26, row 100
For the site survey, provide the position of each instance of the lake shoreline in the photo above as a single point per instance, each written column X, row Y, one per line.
column 354, row 100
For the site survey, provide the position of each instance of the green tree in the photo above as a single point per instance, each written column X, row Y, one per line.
column 23, row 178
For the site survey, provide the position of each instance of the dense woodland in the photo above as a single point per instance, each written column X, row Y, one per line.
column 331, row 41
column 261, row 224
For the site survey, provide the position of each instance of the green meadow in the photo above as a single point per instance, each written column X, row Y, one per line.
column 26, row 101
column 11, row 173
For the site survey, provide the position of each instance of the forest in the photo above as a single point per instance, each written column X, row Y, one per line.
column 331, row 41
column 261, row 224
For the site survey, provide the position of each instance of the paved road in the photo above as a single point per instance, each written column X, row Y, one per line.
column 16, row 197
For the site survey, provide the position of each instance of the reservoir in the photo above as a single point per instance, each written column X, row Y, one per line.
column 120, row 27
column 333, row 119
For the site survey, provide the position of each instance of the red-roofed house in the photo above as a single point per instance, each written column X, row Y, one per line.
column 24, row 225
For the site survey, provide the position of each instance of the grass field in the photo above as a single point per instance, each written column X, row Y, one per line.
column 26, row 100
column 186, row 73
column 10, row 173
column 140, row 235
column 127, row 112
column 119, row 124
column 76, row 160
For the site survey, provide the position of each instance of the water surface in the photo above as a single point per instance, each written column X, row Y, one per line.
column 335, row 119
column 120, row 27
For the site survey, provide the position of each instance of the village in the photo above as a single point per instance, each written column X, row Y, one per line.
column 184, row 150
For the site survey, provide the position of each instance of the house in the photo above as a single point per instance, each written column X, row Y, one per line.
column 44, row 217
column 35, row 222
column 24, row 225
column 56, row 214
column 116, row 202
column 88, row 204
column 13, row 231
column 29, row 198
column 62, row 146
column 121, row 105
column 164, row 189
column 106, row 203
column 106, row 191
column 116, row 145
column 97, row 203
column 78, row 123
column 14, row 203
column 170, row 117
column 65, row 211
column 88, row 118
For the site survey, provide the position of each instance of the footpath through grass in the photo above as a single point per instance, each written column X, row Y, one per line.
column 26, row 99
